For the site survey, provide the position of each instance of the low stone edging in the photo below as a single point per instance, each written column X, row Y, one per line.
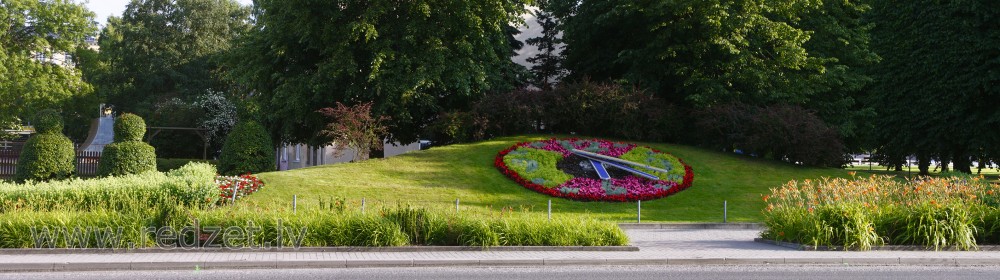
column 804, row 247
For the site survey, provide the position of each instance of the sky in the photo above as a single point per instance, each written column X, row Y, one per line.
column 106, row 8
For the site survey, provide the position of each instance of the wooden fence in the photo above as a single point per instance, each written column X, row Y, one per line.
column 86, row 163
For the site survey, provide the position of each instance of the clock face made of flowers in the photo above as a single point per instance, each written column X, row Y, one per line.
column 594, row 170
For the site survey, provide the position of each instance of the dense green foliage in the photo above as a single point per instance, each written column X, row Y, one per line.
column 413, row 59
column 48, row 155
column 128, row 154
column 129, row 127
column 192, row 185
column 939, row 213
column 248, row 149
column 936, row 90
column 167, row 164
column 162, row 59
column 48, row 121
column 160, row 49
column 129, row 157
column 398, row 226
column 699, row 54
column 34, row 73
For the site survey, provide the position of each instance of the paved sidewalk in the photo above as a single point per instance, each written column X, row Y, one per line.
column 657, row 247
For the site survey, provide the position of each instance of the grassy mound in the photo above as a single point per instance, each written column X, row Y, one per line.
column 435, row 178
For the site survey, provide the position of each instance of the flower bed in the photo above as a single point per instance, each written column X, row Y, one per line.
column 550, row 168
column 863, row 213
column 242, row 185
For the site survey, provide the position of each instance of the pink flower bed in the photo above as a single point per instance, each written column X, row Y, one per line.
column 627, row 188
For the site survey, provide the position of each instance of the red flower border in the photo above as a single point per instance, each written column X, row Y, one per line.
column 498, row 162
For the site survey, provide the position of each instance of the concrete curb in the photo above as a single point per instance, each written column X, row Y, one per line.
column 298, row 264
column 329, row 249
column 804, row 247
column 734, row 226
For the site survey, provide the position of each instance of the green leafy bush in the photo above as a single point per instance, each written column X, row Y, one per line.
column 167, row 164
column 123, row 158
column 956, row 212
column 129, row 127
column 192, row 185
column 128, row 154
column 248, row 149
column 315, row 227
column 48, row 155
column 48, row 121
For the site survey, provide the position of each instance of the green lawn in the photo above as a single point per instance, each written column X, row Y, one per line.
column 434, row 178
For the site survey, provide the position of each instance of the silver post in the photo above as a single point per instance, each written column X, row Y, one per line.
column 456, row 206
column 235, row 190
column 550, row 209
column 362, row 205
column 638, row 214
column 295, row 201
column 725, row 211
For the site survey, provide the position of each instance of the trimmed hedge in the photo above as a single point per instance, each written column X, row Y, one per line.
column 48, row 155
column 248, row 149
column 129, row 127
column 128, row 154
column 123, row 158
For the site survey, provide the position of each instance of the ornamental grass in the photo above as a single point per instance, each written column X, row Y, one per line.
column 956, row 213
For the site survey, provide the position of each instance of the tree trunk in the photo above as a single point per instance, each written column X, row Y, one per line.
column 944, row 163
column 924, row 164
column 962, row 163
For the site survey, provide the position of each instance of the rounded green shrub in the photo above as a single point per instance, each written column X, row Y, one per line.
column 129, row 127
column 247, row 149
column 48, row 121
column 129, row 157
column 46, row 156
column 128, row 154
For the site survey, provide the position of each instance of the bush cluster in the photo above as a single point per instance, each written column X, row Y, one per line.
column 248, row 149
column 192, row 185
column 587, row 108
column 400, row 226
column 939, row 213
column 128, row 154
column 781, row 132
column 167, row 164
column 49, row 155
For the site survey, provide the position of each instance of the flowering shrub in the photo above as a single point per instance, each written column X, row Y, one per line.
column 861, row 213
column 242, row 185
column 541, row 174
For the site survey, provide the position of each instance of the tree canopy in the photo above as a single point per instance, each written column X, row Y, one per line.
column 413, row 59
column 163, row 49
column 937, row 86
column 37, row 43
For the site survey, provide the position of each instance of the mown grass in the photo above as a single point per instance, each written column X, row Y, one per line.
column 435, row 178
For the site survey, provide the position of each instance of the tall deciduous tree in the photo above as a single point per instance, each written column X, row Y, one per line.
column 37, row 42
column 705, row 53
column 163, row 49
column 413, row 59
column 937, row 88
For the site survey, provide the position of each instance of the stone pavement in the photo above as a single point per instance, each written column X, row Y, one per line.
column 656, row 247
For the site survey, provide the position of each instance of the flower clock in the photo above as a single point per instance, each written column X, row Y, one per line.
column 594, row 170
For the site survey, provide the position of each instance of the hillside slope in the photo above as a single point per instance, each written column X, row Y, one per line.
column 436, row 177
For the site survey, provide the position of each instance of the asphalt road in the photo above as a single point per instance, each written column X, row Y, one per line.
column 555, row 273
